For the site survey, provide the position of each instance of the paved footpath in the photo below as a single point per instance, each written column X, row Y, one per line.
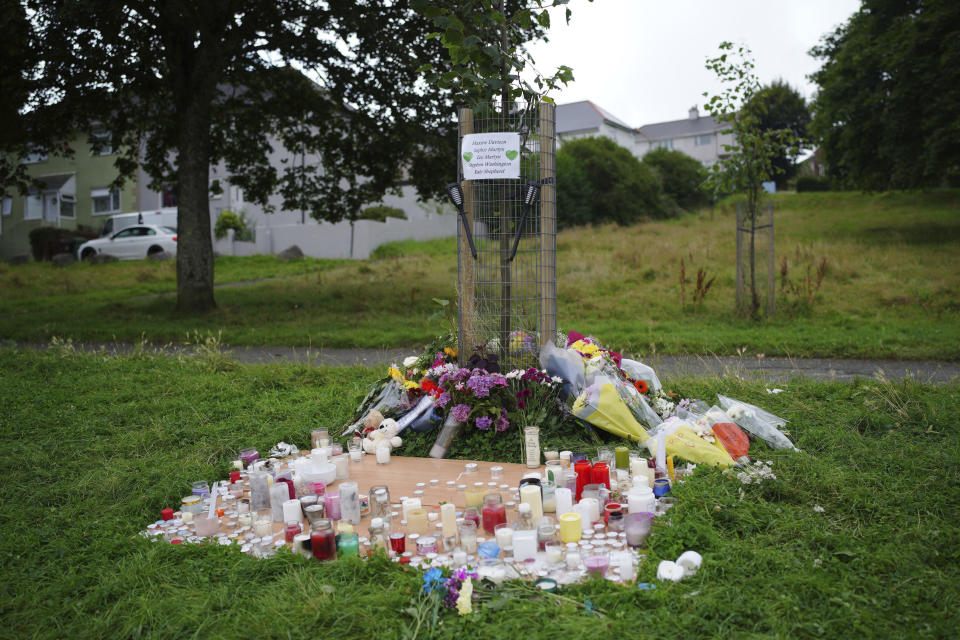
column 772, row 369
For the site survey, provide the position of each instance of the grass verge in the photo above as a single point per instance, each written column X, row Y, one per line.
column 891, row 288
column 93, row 447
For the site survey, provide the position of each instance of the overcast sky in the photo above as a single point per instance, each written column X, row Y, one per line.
column 643, row 60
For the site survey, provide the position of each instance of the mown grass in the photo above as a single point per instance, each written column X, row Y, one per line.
column 93, row 447
column 891, row 289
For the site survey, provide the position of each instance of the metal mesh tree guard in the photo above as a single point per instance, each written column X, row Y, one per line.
column 756, row 271
column 507, row 291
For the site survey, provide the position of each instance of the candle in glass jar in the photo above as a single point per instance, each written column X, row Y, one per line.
column 448, row 519
column 570, row 528
column 524, row 544
column 187, row 517
column 331, row 505
column 348, row 543
column 494, row 512
column 564, row 499
column 350, row 502
column 278, row 495
column 600, row 474
column 291, row 510
column 417, row 521
column 291, row 530
column 263, row 527
column 622, row 457
column 582, row 469
column 530, row 494
column 383, row 453
column 474, row 494
column 323, row 541
column 342, row 465
column 408, row 505
column 549, row 492
column 504, row 533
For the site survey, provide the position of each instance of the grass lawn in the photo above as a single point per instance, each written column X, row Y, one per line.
column 93, row 447
column 891, row 290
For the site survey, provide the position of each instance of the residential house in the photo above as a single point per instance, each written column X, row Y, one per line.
column 75, row 193
column 700, row 137
column 586, row 120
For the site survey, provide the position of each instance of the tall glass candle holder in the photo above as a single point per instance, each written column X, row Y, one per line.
column 493, row 513
column 259, row 490
column 323, row 540
column 331, row 504
column 350, row 502
column 531, row 447
column 467, row 531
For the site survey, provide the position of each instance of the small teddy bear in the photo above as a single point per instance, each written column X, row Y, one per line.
column 386, row 432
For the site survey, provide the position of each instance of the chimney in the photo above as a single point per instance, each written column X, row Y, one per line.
column 693, row 114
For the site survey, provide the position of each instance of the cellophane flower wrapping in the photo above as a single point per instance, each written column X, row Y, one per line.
column 566, row 365
column 600, row 405
column 684, row 442
column 757, row 422
column 640, row 371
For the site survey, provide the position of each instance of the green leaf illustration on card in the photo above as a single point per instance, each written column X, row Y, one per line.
column 467, row 156
column 512, row 155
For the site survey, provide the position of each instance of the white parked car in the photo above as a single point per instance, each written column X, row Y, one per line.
column 132, row 243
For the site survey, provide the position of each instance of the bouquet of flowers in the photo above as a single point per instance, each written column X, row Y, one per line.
column 537, row 397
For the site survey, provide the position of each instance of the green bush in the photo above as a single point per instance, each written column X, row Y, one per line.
column 809, row 183
column 682, row 177
column 600, row 181
column 229, row 220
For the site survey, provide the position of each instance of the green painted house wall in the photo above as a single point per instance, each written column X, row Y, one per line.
column 90, row 172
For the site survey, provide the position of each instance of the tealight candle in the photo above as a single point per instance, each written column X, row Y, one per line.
column 187, row 517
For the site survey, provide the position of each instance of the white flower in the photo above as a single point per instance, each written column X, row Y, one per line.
column 818, row 508
column 516, row 373
column 557, row 379
column 410, row 361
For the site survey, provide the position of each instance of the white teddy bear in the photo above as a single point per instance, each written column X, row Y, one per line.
column 386, row 432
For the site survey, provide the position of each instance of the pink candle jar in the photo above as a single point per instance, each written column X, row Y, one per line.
column 323, row 541
column 331, row 503
column 292, row 529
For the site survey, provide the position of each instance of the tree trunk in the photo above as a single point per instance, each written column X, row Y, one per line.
column 194, row 245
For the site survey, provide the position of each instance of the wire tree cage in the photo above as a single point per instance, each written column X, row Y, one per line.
column 507, row 244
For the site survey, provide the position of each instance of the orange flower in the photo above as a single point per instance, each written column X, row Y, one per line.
column 641, row 386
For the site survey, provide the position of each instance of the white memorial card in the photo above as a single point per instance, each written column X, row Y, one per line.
column 489, row 156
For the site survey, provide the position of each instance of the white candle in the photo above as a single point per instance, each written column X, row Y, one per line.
column 448, row 518
column 524, row 544
column 554, row 553
column 530, row 493
column 408, row 505
column 383, row 454
column 187, row 517
column 564, row 500
column 505, row 537
column 583, row 510
column 594, row 508
column 343, row 468
column 291, row 510
column 279, row 493
column 627, row 571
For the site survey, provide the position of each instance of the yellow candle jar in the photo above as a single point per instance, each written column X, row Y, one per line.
column 417, row 521
column 570, row 530
column 474, row 494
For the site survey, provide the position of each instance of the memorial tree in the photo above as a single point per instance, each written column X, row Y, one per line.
column 750, row 162
column 181, row 85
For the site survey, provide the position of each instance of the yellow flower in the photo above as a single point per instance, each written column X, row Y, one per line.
column 464, row 605
column 584, row 347
column 396, row 375
column 450, row 352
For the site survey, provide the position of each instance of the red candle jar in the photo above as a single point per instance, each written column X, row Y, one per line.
column 234, row 476
column 600, row 474
column 494, row 512
column 166, row 514
column 398, row 542
column 582, row 469
column 323, row 540
column 293, row 528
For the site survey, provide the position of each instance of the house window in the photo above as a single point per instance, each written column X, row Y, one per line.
column 216, row 191
column 704, row 140
column 68, row 206
column 665, row 144
column 6, row 207
column 105, row 201
column 33, row 207
column 101, row 143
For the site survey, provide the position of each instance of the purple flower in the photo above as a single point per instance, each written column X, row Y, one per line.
column 460, row 412
column 442, row 399
column 521, row 404
column 484, row 422
column 502, row 422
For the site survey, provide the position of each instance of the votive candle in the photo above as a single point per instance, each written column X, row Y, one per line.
column 531, row 495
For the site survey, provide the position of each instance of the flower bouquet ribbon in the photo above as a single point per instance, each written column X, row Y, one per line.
column 601, row 406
